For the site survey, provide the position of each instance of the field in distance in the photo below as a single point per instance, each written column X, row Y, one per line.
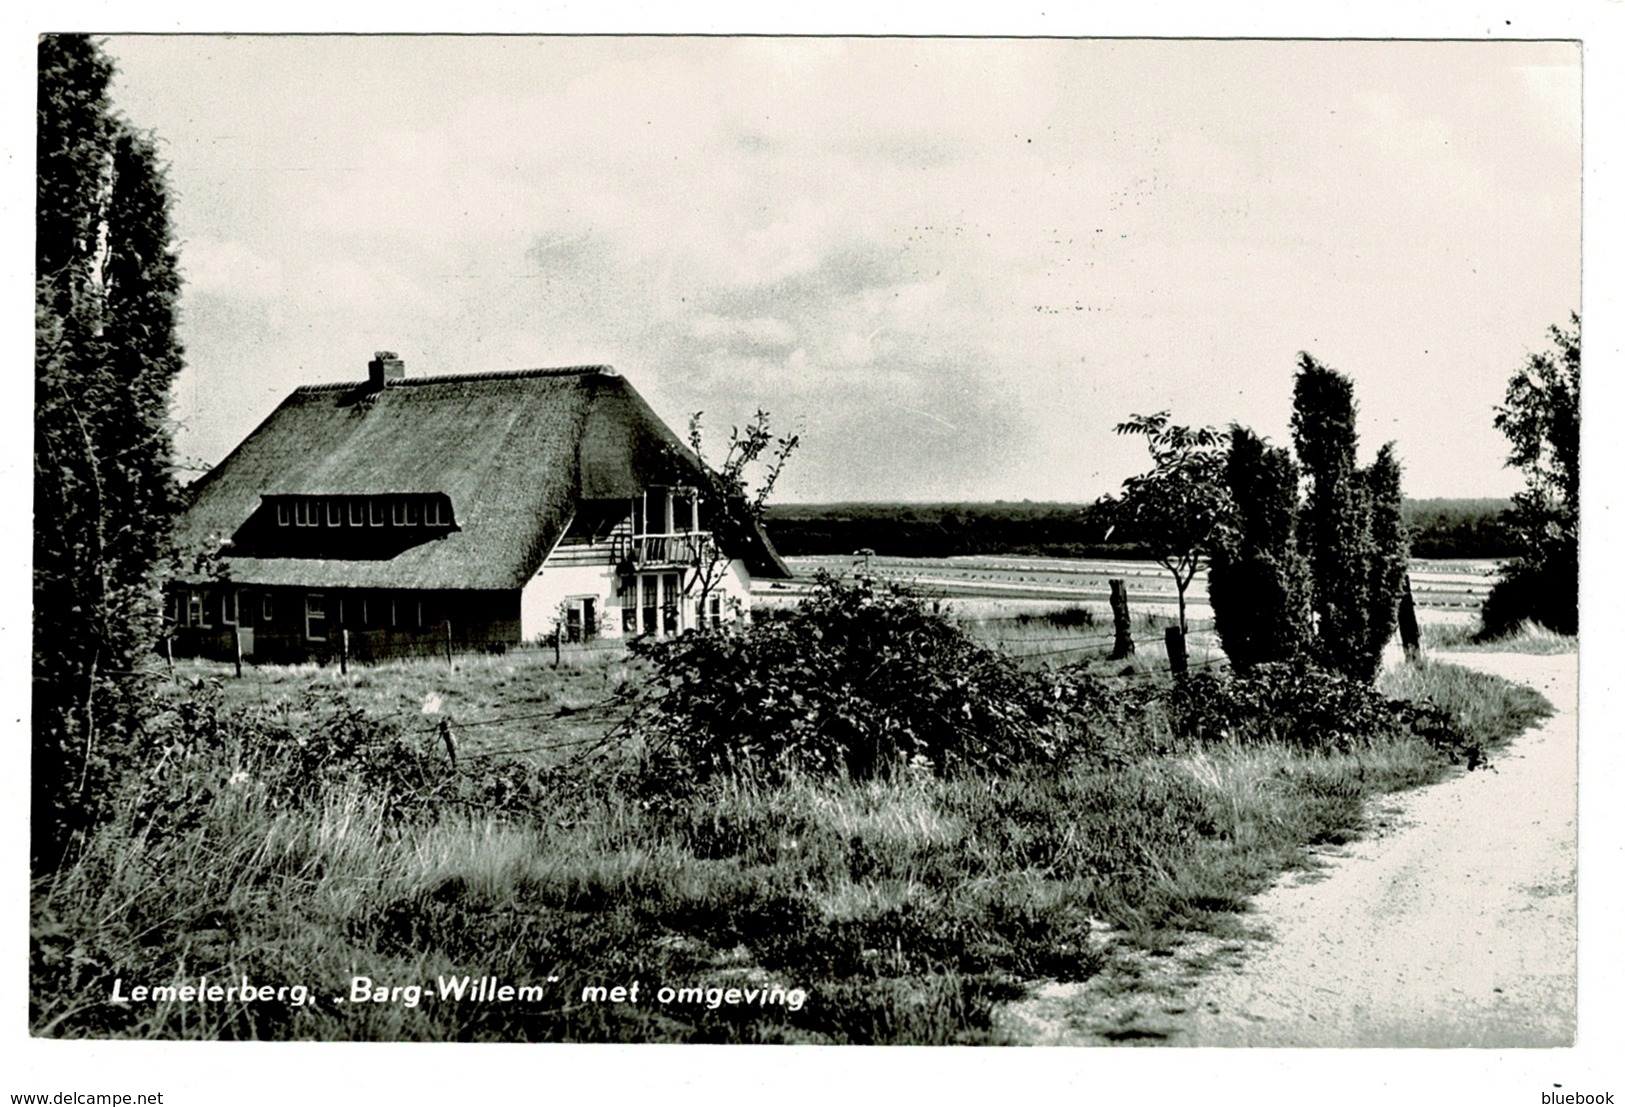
column 1446, row 591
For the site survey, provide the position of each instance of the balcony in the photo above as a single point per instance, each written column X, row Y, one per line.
column 652, row 551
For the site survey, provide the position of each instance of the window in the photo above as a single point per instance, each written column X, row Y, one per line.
column 266, row 609
column 306, row 513
column 375, row 513
column 580, row 618
column 436, row 512
column 682, row 512
column 315, row 617
column 335, row 512
column 194, row 609
column 650, row 607
column 358, row 511
column 398, row 513
column 284, row 513
column 629, row 605
column 228, row 608
column 708, row 611
column 668, row 605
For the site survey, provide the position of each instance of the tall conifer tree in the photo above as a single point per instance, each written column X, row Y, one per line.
column 106, row 287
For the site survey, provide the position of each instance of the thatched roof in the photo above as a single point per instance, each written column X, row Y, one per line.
column 515, row 452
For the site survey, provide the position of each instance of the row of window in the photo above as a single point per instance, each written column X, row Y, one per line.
column 229, row 607
column 363, row 511
column 651, row 602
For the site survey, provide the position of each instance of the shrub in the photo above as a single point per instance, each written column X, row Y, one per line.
column 1544, row 591
column 859, row 680
column 1307, row 707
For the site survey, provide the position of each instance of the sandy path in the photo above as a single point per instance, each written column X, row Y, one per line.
column 1453, row 926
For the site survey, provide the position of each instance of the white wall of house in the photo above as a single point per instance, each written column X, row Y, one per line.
column 558, row 588
column 555, row 586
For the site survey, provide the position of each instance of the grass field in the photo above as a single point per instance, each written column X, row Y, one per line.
column 302, row 829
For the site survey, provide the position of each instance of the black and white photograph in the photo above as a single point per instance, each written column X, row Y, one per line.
column 1065, row 544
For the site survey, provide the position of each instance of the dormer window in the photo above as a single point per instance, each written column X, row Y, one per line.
column 344, row 526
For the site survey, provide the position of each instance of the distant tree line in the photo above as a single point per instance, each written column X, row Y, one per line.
column 1439, row 528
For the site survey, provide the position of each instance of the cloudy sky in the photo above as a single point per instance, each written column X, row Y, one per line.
column 952, row 265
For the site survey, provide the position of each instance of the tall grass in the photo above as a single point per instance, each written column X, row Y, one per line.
column 1526, row 637
column 905, row 908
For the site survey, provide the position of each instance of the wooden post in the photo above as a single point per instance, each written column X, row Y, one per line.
column 1177, row 660
column 237, row 648
column 450, row 740
column 344, row 650
column 169, row 656
column 1410, row 635
column 449, row 664
column 558, row 650
column 1123, row 646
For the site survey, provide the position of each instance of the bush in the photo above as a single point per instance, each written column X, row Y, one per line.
column 1307, row 707
column 859, row 680
column 1545, row 592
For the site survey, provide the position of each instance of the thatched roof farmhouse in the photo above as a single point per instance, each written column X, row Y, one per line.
column 490, row 508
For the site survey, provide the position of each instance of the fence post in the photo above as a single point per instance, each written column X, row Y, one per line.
column 169, row 656
column 1123, row 646
column 558, row 649
column 1175, row 639
column 344, row 651
column 237, row 648
column 1410, row 635
column 450, row 740
column 449, row 664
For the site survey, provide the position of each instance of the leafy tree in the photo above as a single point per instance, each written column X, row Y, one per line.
column 1541, row 420
column 1180, row 509
column 1352, row 554
column 733, row 508
column 1258, row 582
column 105, row 355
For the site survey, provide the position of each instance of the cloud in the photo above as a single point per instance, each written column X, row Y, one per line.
column 953, row 260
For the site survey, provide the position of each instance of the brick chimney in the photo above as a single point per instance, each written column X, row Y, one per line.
column 385, row 368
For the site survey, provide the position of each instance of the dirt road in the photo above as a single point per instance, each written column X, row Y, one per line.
column 1454, row 925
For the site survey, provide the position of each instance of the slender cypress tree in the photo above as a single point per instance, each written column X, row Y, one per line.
column 106, row 285
column 1352, row 531
column 1258, row 582
column 1389, row 558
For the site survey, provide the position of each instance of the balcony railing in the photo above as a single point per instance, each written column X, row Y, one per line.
column 652, row 550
